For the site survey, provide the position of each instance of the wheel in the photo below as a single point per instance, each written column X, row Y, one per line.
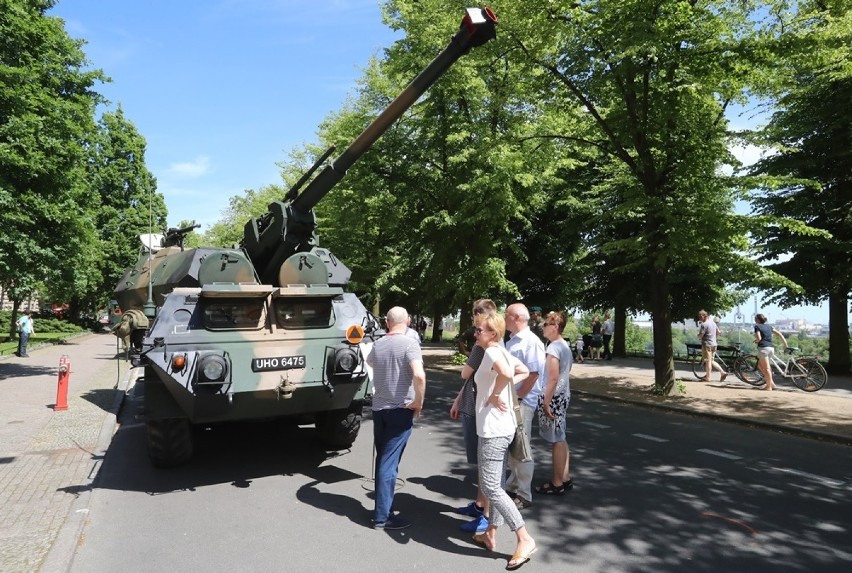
column 745, row 367
column 698, row 367
column 815, row 377
column 338, row 429
column 169, row 442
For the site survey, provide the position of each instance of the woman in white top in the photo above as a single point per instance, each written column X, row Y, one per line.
column 495, row 426
column 553, row 404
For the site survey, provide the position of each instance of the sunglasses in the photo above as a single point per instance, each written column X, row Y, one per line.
column 479, row 330
column 479, row 310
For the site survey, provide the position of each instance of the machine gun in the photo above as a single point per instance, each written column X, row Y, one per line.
column 175, row 237
column 288, row 228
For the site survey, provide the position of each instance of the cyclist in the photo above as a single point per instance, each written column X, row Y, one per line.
column 763, row 337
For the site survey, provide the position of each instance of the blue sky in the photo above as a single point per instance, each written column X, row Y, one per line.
column 223, row 89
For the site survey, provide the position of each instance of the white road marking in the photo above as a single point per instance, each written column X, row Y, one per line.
column 720, row 454
column 651, row 438
column 813, row 477
column 594, row 425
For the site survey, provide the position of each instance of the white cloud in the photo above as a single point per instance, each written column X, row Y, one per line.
column 190, row 169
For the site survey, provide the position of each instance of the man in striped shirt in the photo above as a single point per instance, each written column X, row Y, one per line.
column 399, row 383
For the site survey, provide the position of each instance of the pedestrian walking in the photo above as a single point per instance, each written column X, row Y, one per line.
column 399, row 385
column 24, row 326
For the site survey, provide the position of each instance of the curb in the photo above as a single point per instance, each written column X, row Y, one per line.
column 802, row 432
column 61, row 554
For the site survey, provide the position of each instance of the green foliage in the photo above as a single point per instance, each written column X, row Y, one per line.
column 809, row 178
column 46, row 126
column 45, row 324
column 128, row 203
column 458, row 359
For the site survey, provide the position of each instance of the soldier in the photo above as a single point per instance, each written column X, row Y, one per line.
column 537, row 323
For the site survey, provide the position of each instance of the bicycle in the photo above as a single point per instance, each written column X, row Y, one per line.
column 696, row 357
column 804, row 371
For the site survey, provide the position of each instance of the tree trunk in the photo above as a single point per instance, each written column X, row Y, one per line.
column 838, row 334
column 437, row 327
column 16, row 305
column 618, row 342
column 664, row 372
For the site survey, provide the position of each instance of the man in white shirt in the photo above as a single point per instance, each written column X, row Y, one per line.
column 526, row 347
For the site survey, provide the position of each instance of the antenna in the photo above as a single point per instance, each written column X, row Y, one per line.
column 149, row 308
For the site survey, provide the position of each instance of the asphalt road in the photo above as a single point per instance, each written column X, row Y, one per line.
column 655, row 491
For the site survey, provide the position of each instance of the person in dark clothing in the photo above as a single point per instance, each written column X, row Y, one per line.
column 763, row 337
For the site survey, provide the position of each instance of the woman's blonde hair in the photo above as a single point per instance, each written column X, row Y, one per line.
column 494, row 322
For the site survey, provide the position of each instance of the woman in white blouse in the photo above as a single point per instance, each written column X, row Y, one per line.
column 495, row 426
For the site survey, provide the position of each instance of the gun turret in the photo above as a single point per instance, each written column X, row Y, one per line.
column 289, row 226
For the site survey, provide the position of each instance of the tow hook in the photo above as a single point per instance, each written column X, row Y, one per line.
column 286, row 388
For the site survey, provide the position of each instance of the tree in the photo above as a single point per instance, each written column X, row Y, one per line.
column 809, row 178
column 434, row 204
column 654, row 79
column 46, row 123
column 128, row 203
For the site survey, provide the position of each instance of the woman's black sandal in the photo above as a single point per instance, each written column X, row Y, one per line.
column 550, row 489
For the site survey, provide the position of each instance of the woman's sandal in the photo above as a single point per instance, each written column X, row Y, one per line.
column 519, row 559
column 550, row 489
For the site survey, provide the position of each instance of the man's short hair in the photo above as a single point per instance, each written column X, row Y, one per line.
column 397, row 315
column 520, row 311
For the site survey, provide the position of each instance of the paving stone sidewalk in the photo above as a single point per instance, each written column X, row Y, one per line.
column 49, row 459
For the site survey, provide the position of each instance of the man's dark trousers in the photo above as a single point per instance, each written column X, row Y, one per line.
column 391, row 430
column 23, row 339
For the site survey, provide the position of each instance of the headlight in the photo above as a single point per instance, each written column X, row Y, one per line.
column 213, row 368
column 346, row 361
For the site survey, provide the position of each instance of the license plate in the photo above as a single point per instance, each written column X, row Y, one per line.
column 277, row 363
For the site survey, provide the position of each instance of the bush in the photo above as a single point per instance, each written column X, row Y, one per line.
column 42, row 324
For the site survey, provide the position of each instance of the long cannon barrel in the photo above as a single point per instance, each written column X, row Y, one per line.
column 288, row 227
column 477, row 27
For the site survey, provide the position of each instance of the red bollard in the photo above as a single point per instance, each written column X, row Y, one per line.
column 62, row 384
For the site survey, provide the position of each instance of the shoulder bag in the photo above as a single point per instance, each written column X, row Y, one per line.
column 519, row 448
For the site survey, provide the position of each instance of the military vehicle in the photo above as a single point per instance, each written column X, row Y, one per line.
column 266, row 329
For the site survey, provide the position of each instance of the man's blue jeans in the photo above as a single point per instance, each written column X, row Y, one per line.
column 391, row 430
column 23, row 338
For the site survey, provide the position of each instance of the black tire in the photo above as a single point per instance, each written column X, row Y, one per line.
column 698, row 367
column 816, row 375
column 745, row 367
column 169, row 442
column 338, row 429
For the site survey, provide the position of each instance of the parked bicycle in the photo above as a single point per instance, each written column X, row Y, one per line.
column 804, row 371
column 727, row 357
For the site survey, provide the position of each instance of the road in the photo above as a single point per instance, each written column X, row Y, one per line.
column 655, row 491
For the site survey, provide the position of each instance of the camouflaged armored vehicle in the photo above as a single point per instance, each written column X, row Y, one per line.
column 264, row 330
